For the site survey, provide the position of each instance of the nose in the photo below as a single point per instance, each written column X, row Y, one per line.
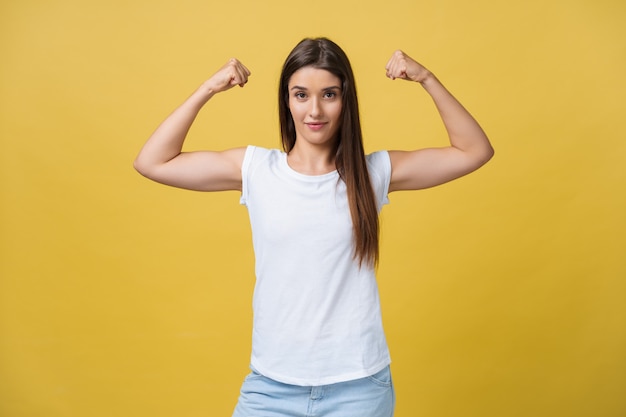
column 316, row 108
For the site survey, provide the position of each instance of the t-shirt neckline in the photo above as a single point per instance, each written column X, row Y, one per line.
column 306, row 177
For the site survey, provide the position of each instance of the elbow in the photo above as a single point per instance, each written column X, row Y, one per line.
column 489, row 153
column 141, row 167
column 482, row 157
column 137, row 165
column 486, row 153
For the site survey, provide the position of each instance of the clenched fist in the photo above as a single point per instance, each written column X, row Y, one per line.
column 231, row 74
column 402, row 66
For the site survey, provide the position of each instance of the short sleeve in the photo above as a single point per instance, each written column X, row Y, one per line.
column 379, row 166
column 245, row 171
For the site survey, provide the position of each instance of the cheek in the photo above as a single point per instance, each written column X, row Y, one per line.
column 295, row 110
column 336, row 112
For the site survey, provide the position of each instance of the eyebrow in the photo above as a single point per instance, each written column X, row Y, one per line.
column 297, row 87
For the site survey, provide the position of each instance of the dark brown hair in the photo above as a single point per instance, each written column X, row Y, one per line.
column 350, row 162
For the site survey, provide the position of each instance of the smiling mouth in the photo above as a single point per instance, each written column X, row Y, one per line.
column 316, row 126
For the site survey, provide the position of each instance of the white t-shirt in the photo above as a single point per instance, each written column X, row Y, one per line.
column 317, row 316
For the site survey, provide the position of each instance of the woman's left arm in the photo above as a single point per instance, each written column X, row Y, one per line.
column 469, row 147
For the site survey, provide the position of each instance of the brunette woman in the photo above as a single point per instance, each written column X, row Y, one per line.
column 318, row 345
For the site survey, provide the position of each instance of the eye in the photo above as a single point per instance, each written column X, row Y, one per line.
column 300, row 95
column 330, row 94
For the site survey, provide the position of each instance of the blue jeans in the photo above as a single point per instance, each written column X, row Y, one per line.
column 372, row 396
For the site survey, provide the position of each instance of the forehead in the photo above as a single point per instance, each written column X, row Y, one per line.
column 312, row 77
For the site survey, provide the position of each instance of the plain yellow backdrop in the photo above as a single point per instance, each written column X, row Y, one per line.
column 503, row 292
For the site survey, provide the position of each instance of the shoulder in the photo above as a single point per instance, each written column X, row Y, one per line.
column 377, row 157
column 259, row 153
column 379, row 163
column 256, row 156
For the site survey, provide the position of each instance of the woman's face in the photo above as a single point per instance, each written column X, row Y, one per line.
column 315, row 104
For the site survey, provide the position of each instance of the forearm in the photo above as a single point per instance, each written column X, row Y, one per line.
column 167, row 140
column 463, row 130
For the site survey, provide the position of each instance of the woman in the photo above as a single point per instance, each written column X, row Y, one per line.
column 318, row 343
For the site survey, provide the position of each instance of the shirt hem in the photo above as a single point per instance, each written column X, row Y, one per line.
column 313, row 382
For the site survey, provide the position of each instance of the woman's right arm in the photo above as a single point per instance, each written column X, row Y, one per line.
column 161, row 159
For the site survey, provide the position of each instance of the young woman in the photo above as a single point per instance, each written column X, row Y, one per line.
column 318, row 345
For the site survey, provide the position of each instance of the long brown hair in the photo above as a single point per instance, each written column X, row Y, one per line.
column 350, row 161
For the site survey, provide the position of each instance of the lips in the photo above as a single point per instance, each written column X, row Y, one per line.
column 316, row 125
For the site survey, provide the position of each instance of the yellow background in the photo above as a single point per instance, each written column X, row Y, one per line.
column 503, row 293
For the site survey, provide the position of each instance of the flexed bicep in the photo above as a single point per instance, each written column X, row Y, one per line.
column 428, row 167
column 201, row 171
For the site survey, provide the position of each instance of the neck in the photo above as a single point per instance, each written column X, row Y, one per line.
column 311, row 160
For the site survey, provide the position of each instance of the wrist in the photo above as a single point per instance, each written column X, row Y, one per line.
column 429, row 82
column 204, row 92
column 426, row 78
column 209, row 88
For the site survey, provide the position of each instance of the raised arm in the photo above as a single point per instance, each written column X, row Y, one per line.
column 161, row 159
column 469, row 146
